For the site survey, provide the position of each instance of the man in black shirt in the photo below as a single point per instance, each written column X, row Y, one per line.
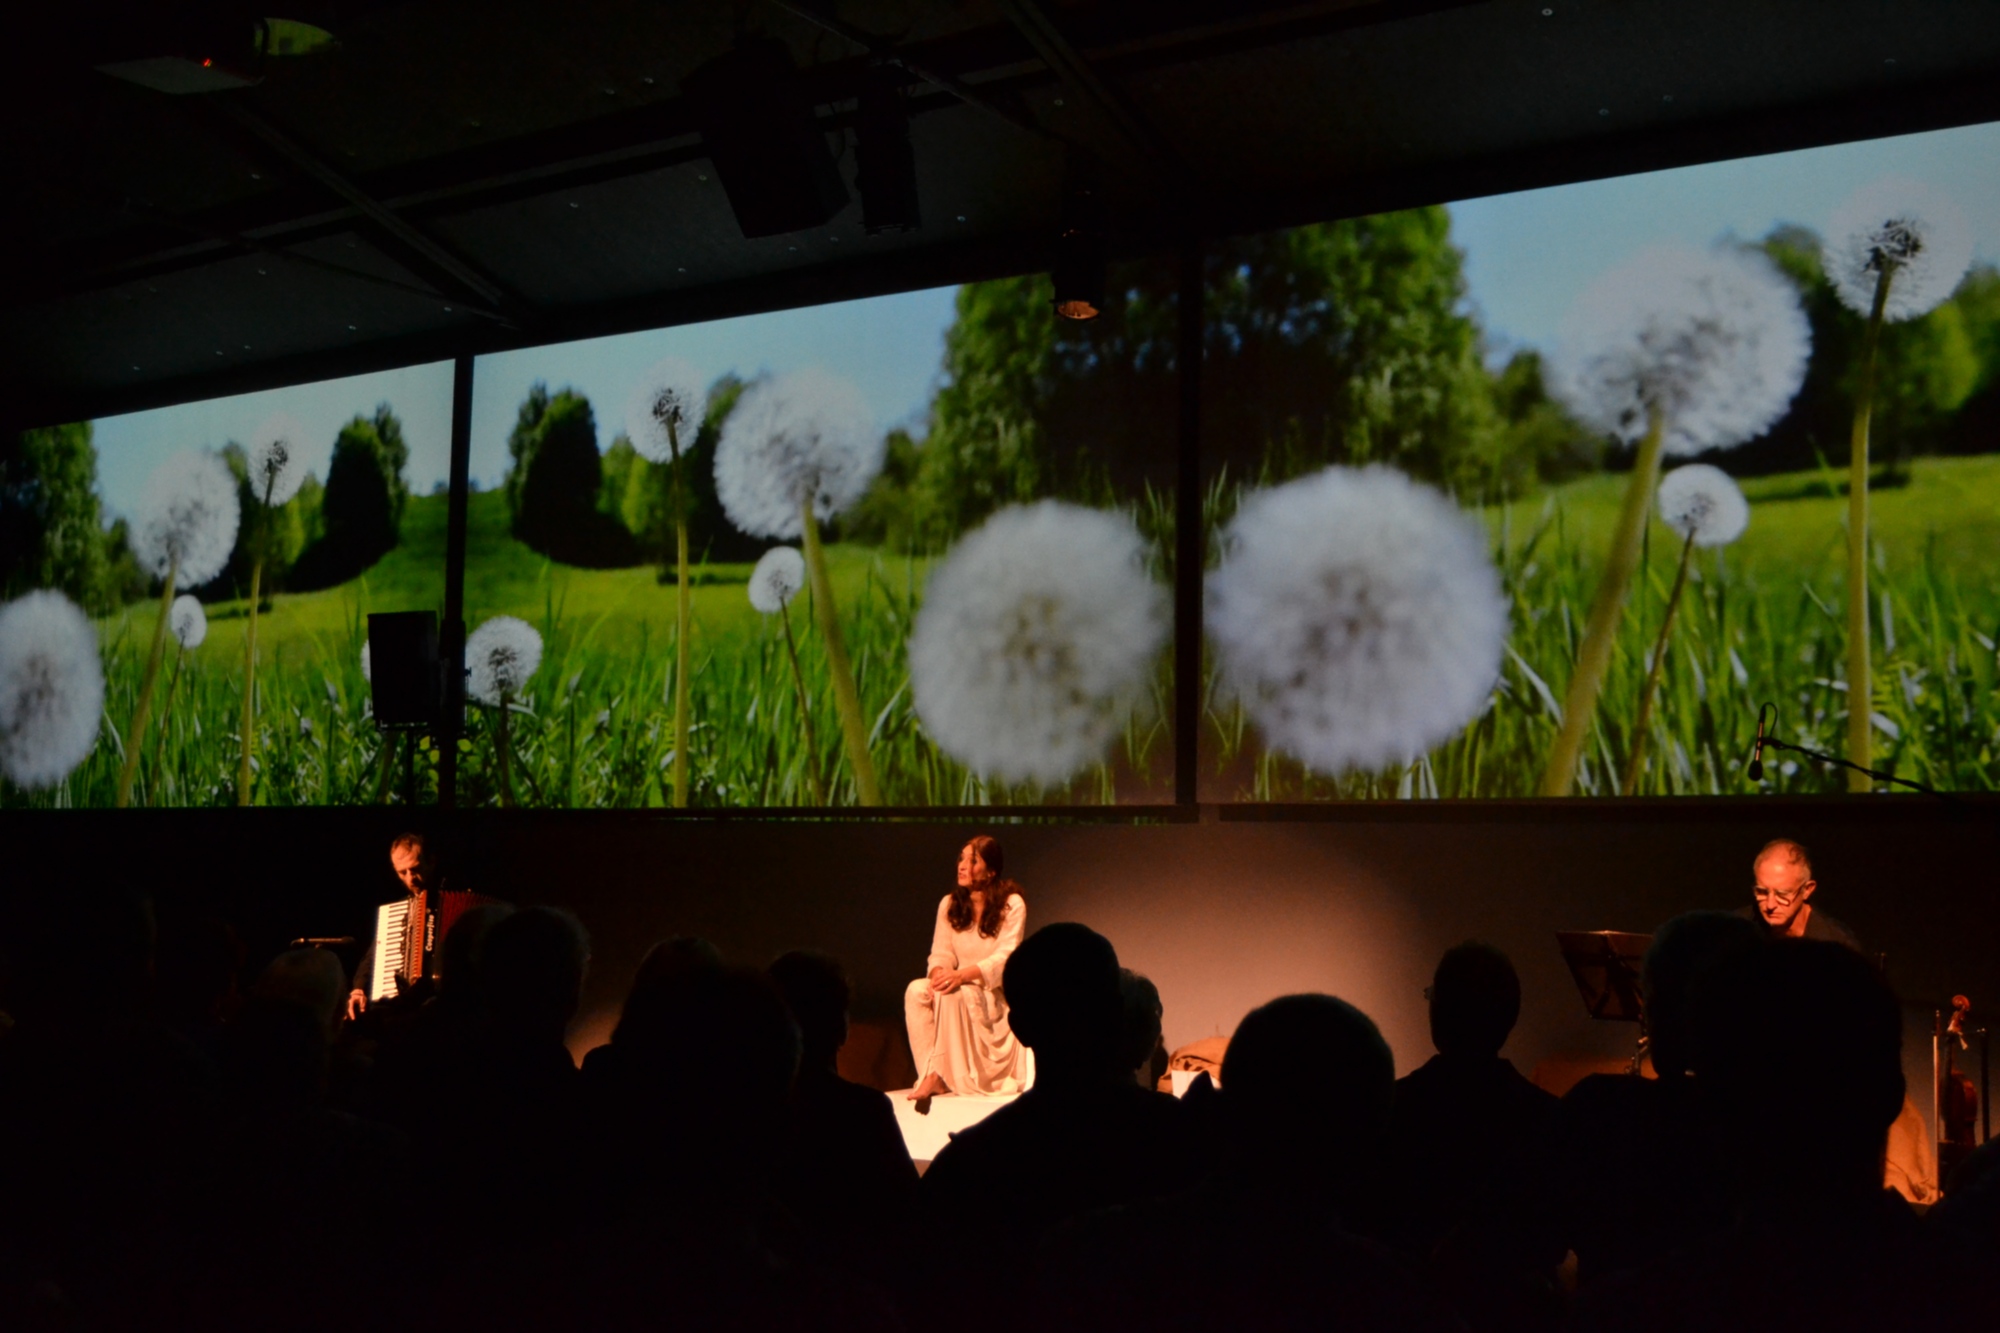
column 1783, row 893
column 413, row 867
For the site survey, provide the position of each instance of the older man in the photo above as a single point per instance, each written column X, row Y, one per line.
column 1783, row 897
column 414, row 868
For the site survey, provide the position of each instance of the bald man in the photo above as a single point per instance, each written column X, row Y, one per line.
column 1783, row 893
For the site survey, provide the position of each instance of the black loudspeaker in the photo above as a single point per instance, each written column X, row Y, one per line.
column 764, row 140
column 885, row 166
column 403, row 669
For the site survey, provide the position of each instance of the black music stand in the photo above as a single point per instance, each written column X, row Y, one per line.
column 1606, row 965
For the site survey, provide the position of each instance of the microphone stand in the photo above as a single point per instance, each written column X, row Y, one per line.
column 1773, row 743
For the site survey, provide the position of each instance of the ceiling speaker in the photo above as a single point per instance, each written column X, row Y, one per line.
column 764, row 139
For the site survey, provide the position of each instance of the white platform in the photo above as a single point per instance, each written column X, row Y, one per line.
column 926, row 1135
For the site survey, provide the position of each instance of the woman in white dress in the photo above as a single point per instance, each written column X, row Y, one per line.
column 958, row 1013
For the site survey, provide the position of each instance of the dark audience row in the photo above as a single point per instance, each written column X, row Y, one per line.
column 256, row 1161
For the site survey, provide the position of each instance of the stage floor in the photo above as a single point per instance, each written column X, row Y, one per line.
column 926, row 1134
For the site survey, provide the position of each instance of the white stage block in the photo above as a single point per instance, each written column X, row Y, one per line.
column 925, row 1135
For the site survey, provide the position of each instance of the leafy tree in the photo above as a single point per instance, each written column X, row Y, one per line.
column 285, row 530
column 359, row 506
column 553, row 488
column 50, row 532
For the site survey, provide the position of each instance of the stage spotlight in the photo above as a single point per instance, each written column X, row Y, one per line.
column 1078, row 275
column 885, row 168
column 764, row 140
column 403, row 675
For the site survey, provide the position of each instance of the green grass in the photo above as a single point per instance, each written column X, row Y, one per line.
column 1761, row 620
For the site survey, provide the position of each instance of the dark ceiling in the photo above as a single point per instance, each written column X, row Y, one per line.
column 461, row 176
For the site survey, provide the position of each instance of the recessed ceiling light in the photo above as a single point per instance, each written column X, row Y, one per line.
column 350, row 328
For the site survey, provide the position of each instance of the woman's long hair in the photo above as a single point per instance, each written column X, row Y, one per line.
column 996, row 884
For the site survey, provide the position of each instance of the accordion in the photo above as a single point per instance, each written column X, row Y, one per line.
column 408, row 934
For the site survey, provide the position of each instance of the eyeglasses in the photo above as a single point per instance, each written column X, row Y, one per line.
column 1782, row 897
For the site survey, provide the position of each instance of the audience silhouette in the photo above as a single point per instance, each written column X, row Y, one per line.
column 188, row 1146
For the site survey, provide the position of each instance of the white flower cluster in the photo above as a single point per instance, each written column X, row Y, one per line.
column 500, row 658
column 669, row 392
column 1704, row 503
column 805, row 436
column 51, row 689
column 1713, row 340
column 778, row 577
column 1357, row 616
column 1035, row 640
column 1899, row 224
column 188, row 621
column 277, row 460
column 187, row 518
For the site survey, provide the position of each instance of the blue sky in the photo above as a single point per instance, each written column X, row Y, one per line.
column 1527, row 256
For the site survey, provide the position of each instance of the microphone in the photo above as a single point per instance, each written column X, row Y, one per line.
column 1757, row 750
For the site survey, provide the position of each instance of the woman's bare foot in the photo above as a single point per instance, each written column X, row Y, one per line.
column 930, row 1087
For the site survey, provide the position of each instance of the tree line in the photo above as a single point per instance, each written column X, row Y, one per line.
column 52, row 533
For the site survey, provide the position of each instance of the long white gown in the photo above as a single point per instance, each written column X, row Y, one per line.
column 963, row 1037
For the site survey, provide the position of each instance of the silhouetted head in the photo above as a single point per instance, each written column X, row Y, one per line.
column 1475, row 1000
column 982, row 870
column 668, row 971
column 310, row 978
column 531, row 973
column 1798, row 1057
column 1140, row 1000
column 816, row 989
column 1679, row 951
column 1064, row 1003
column 1783, row 882
column 464, row 945
column 1306, row 1087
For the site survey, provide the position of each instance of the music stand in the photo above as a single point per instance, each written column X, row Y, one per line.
column 1606, row 965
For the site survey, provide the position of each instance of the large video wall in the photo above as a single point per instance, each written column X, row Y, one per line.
column 1540, row 494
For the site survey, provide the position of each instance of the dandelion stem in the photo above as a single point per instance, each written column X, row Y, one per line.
column 136, row 733
column 1860, row 740
column 506, row 784
column 1636, row 759
column 166, row 711
column 1600, row 633
column 683, row 621
column 249, row 688
column 854, row 727
column 805, row 710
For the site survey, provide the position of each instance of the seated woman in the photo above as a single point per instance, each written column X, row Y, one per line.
column 958, row 1014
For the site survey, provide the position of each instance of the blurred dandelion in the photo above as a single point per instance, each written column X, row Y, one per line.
column 501, row 656
column 1035, row 640
column 798, row 450
column 1357, row 616
column 777, row 579
column 1706, row 507
column 51, row 689
column 669, row 399
column 1677, row 351
column 188, row 623
column 183, row 531
column 367, row 664
column 1894, row 250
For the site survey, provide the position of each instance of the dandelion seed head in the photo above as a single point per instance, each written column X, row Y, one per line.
column 780, row 573
column 1714, row 340
column 277, row 460
column 669, row 392
column 803, row 436
column 1704, row 503
column 1904, row 225
column 187, row 518
column 51, row 689
column 1357, row 617
column 188, row 621
column 367, row 664
column 1035, row 641
column 500, row 658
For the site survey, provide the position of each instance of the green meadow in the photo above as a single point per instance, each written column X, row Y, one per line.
column 1761, row 620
